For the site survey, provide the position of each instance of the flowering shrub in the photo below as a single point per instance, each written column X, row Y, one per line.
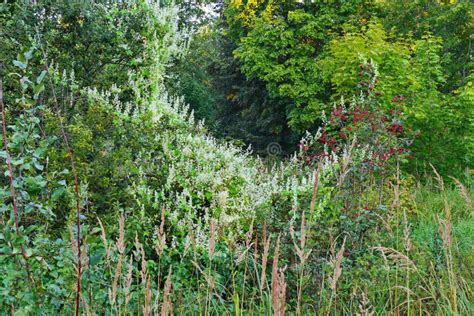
column 360, row 146
column 362, row 124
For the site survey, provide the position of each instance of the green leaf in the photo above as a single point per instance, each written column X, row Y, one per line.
column 57, row 193
column 29, row 252
column 64, row 172
column 19, row 64
column 6, row 250
column 17, row 162
column 34, row 184
column 37, row 90
column 97, row 256
column 41, row 76
column 19, row 240
column 21, row 58
column 29, row 53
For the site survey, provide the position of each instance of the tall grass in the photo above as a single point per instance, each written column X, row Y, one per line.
column 414, row 282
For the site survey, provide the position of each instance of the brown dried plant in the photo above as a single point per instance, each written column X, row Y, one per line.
column 167, row 307
column 279, row 303
column 278, row 283
column 406, row 234
column 396, row 256
column 121, row 239
column 103, row 237
column 121, row 250
column 439, row 179
column 161, row 240
column 128, row 282
column 118, row 270
column 365, row 308
column 148, row 294
column 335, row 262
column 86, row 307
column 464, row 193
column 209, row 279
column 302, row 255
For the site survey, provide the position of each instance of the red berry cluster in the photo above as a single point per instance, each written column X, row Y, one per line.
column 396, row 128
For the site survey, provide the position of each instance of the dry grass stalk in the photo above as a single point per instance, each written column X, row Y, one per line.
column 248, row 236
column 121, row 238
column 143, row 265
column 118, row 270
column 161, row 242
column 103, row 236
column 404, row 288
column 335, row 261
column 255, row 247
column 302, row 255
column 280, row 302
column 263, row 275
column 439, row 179
column 148, row 293
column 406, row 234
column 464, row 193
column 365, row 308
column 128, row 282
column 209, row 279
column 121, row 250
column 141, row 251
column 143, row 271
column 446, row 231
column 276, row 286
column 167, row 307
column 396, row 256
column 300, row 250
column 85, row 307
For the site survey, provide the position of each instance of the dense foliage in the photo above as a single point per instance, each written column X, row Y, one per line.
column 283, row 62
column 117, row 199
